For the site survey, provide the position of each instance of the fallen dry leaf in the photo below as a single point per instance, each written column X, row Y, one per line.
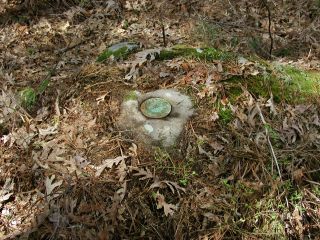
column 141, row 58
column 7, row 190
column 108, row 163
column 172, row 186
column 50, row 186
column 146, row 174
column 167, row 207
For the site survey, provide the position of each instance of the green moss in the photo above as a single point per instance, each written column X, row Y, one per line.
column 119, row 51
column 208, row 54
column 283, row 52
column 31, row 51
column 225, row 115
column 286, row 83
column 289, row 85
column 43, row 86
column 28, row 97
column 234, row 91
column 214, row 54
column 132, row 95
column 125, row 24
column 307, row 82
column 263, row 86
column 167, row 54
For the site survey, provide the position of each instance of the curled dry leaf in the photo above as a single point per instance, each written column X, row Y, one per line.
column 133, row 150
column 4, row 139
column 101, row 98
column 122, row 171
column 147, row 174
column 167, row 207
column 164, row 74
column 253, row 111
column 23, row 137
column 270, row 104
column 297, row 219
column 241, row 116
column 298, row 175
column 8, row 104
column 224, row 101
column 212, row 217
column 171, row 185
column 7, row 190
column 316, row 120
column 260, row 139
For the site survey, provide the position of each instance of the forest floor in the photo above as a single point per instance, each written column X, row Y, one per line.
column 247, row 165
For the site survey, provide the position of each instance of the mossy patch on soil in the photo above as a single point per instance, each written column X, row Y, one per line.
column 208, row 54
column 122, row 51
column 307, row 82
column 225, row 115
column 286, row 83
column 28, row 97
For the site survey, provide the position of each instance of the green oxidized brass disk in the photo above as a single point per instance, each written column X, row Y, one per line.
column 155, row 108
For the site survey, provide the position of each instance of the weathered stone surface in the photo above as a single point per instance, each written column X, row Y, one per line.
column 119, row 50
column 128, row 45
column 156, row 131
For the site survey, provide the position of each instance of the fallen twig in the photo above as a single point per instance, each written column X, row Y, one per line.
column 313, row 182
column 268, row 140
column 66, row 49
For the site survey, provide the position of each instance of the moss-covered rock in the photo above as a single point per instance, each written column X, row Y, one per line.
column 208, row 54
column 118, row 51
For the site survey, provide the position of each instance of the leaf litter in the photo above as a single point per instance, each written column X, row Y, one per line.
column 68, row 172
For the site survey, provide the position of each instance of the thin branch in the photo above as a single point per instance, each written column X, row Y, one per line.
column 163, row 34
column 269, row 142
column 266, row 5
column 66, row 49
column 313, row 182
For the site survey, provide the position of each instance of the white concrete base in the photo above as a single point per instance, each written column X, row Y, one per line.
column 159, row 132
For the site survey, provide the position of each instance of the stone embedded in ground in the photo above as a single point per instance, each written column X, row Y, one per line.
column 118, row 50
column 167, row 127
column 130, row 46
